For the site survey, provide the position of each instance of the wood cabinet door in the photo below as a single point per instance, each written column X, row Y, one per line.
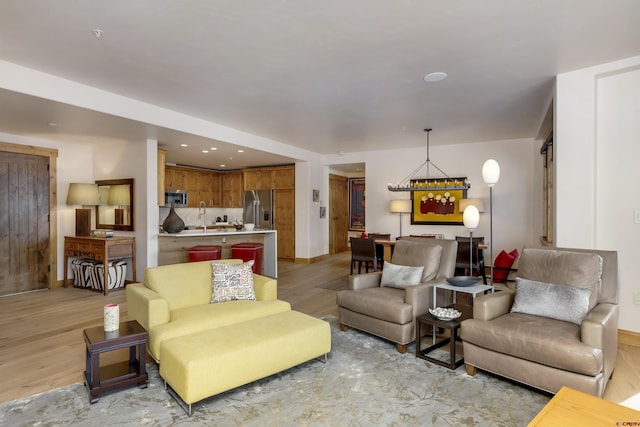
column 284, row 177
column 258, row 179
column 209, row 189
column 232, row 186
column 284, row 222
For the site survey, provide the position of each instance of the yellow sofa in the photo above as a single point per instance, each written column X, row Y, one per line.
column 205, row 349
column 174, row 300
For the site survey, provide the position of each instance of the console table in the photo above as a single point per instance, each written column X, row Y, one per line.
column 100, row 249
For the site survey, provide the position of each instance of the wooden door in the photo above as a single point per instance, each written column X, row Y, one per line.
column 24, row 222
column 284, row 222
column 338, row 215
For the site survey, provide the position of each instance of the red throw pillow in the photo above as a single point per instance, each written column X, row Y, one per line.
column 503, row 263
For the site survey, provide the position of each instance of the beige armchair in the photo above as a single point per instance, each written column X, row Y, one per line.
column 390, row 312
column 569, row 340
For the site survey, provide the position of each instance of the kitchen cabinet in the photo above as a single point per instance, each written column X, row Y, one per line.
column 232, row 186
column 284, row 222
column 209, row 189
column 175, row 178
column 162, row 156
column 277, row 177
column 284, row 177
column 281, row 179
column 258, row 179
column 199, row 184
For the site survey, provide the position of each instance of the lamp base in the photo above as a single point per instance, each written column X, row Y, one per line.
column 83, row 222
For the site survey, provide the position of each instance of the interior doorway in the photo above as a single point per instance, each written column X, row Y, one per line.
column 26, row 250
column 338, row 215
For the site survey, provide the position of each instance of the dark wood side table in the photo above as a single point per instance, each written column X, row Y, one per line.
column 101, row 379
column 100, row 249
column 428, row 321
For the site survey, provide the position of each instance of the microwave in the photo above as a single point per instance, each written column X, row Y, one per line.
column 176, row 198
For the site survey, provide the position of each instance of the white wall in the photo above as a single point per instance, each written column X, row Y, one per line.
column 513, row 196
column 597, row 151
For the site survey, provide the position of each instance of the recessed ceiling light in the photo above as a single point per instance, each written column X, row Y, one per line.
column 205, row 151
column 240, row 151
column 213, row 148
column 183, row 145
column 53, row 124
column 223, row 166
column 435, row 77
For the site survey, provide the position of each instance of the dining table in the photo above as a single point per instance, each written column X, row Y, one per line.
column 388, row 246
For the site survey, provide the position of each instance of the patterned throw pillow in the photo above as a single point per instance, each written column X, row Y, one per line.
column 232, row 282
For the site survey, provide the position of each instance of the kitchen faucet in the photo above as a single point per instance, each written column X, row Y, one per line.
column 202, row 212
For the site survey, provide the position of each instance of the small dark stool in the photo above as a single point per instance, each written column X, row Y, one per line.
column 205, row 253
column 247, row 252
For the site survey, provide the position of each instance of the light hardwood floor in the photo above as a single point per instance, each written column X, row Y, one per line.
column 41, row 344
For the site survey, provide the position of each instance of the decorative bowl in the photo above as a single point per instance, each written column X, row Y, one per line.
column 463, row 281
column 445, row 313
column 249, row 226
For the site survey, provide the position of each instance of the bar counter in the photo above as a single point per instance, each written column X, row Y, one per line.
column 173, row 248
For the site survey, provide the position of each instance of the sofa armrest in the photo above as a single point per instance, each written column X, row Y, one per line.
column 365, row 281
column 146, row 306
column 599, row 329
column 490, row 306
column 266, row 288
column 600, row 326
column 419, row 297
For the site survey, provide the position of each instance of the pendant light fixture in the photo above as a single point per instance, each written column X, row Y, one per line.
column 440, row 184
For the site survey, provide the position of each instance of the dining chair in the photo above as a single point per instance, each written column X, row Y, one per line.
column 464, row 256
column 363, row 250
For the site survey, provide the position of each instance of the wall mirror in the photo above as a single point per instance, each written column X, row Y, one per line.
column 115, row 208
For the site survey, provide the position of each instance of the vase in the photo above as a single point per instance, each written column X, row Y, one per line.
column 173, row 223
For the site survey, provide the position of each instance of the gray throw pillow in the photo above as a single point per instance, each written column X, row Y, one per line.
column 562, row 302
column 400, row 276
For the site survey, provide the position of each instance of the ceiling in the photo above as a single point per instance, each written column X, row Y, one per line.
column 328, row 77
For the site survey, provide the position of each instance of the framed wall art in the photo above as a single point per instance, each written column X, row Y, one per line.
column 357, row 204
column 437, row 207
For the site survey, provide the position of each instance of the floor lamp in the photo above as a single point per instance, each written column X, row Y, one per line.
column 400, row 207
column 491, row 175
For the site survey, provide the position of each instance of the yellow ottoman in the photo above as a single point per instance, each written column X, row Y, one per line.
column 203, row 364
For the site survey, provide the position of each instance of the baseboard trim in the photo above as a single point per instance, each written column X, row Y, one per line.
column 629, row 338
column 310, row 260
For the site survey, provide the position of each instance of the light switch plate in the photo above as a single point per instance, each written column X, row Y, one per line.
column 636, row 297
column 636, row 217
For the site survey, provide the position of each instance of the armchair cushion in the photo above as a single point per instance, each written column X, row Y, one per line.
column 387, row 303
column 400, row 276
column 232, row 282
column 561, row 302
column 579, row 269
column 538, row 339
column 417, row 254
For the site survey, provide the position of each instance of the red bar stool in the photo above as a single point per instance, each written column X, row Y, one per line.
column 248, row 252
column 205, row 253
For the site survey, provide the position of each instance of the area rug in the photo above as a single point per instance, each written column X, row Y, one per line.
column 365, row 382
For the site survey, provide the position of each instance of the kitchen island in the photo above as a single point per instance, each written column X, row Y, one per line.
column 173, row 248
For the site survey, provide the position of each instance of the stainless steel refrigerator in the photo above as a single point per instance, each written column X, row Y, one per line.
column 258, row 208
